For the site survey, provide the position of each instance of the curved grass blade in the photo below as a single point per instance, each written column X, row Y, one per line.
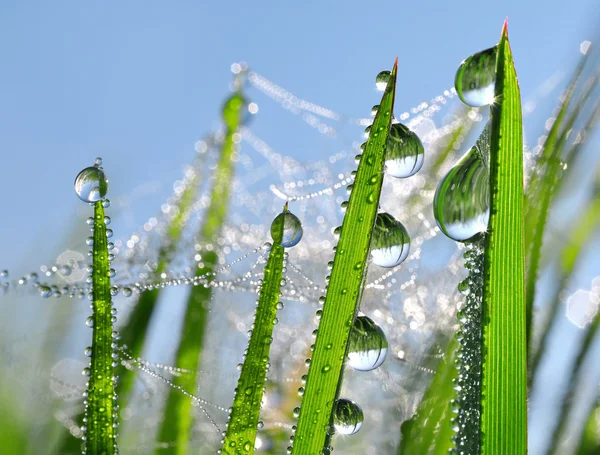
column 570, row 256
column 344, row 289
column 589, row 442
column 504, row 408
column 243, row 419
column 177, row 418
column 429, row 431
column 100, row 413
column 567, row 400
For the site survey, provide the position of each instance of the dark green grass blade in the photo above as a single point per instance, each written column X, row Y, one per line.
column 177, row 418
column 243, row 419
column 100, row 414
column 574, row 248
column 344, row 289
column 429, row 431
column 504, row 407
column 589, row 442
column 574, row 376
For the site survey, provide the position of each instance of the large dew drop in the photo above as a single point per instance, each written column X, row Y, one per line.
column 91, row 184
column 476, row 78
column 347, row 416
column 382, row 79
column 461, row 205
column 286, row 229
column 404, row 154
column 367, row 345
column 390, row 241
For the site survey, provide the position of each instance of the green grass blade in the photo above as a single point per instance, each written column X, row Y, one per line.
column 243, row 419
column 504, row 407
column 100, row 414
column 429, row 431
column 567, row 400
column 344, row 289
column 589, row 442
column 177, row 418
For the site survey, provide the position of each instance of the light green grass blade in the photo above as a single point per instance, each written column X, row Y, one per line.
column 177, row 418
column 344, row 289
column 133, row 334
column 243, row 419
column 589, row 442
column 429, row 431
column 100, row 414
column 544, row 185
column 504, row 407
column 574, row 377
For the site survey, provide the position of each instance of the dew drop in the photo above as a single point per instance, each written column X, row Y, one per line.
column 286, row 229
column 45, row 291
column 381, row 80
column 461, row 204
column 91, row 184
column 390, row 242
column 404, row 154
column 347, row 416
column 476, row 78
column 367, row 345
column 90, row 321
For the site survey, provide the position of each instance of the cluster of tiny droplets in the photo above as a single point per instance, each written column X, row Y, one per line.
column 266, row 248
column 467, row 405
column 90, row 323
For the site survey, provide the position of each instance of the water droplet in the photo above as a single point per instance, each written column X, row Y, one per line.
column 381, row 80
column 347, row 416
column 286, row 229
column 90, row 321
column 374, row 110
column 88, row 351
column 45, row 291
column 476, row 78
column 91, row 184
column 404, row 154
column 390, row 242
column 461, row 205
column 86, row 372
column 367, row 345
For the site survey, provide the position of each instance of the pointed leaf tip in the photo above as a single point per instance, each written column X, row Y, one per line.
column 285, row 207
column 505, row 28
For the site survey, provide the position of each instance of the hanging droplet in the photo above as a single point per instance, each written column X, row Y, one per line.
column 45, row 291
column 381, row 80
column 347, row 416
column 374, row 110
column 404, row 154
column 390, row 242
column 476, row 78
column 91, row 184
column 461, row 204
column 286, row 229
column 367, row 345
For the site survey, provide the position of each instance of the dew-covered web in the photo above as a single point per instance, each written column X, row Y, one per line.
column 43, row 339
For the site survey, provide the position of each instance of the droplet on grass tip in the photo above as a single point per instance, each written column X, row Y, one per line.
column 367, row 345
column 91, row 184
column 390, row 242
column 476, row 78
column 404, row 154
column 382, row 80
column 348, row 417
column 286, row 229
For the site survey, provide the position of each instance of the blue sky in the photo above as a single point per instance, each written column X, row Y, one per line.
column 138, row 82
